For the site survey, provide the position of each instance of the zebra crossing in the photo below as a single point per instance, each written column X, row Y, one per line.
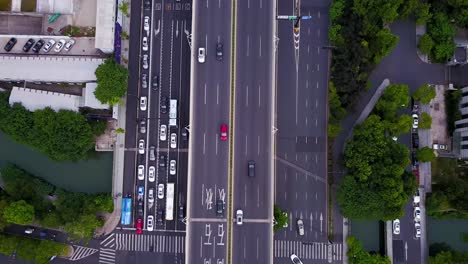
column 80, row 252
column 107, row 255
column 324, row 251
column 153, row 243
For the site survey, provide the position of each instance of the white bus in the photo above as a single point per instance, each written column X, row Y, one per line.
column 170, row 201
column 173, row 112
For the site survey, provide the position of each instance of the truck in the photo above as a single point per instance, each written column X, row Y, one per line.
column 170, row 201
column 173, row 112
column 126, row 218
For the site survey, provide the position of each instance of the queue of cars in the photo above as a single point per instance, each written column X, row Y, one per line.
column 31, row 44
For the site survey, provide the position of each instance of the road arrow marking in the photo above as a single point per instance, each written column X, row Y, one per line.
column 321, row 222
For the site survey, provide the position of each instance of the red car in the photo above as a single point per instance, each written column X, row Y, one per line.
column 139, row 226
column 223, row 132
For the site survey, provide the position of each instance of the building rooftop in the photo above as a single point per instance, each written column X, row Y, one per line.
column 105, row 25
column 37, row 99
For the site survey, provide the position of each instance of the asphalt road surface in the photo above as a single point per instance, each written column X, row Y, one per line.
column 254, row 88
column 209, row 155
column 301, row 180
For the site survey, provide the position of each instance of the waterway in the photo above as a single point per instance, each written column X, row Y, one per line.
column 90, row 176
column 449, row 231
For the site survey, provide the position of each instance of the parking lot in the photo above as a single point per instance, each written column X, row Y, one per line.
column 21, row 24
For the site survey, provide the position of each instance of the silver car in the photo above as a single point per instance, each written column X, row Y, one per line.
column 295, row 259
column 300, row 227
column 151, row 195
column 239, row 217
column 49, row 45
column 143, row 103
column 150, row 222
column 141, row 172
column 145, row 61
column 160, row 191
column 172, row 167
column 163, row 133
column 201, row 55
column 173, row 140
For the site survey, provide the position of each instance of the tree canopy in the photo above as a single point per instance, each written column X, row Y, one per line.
column 394, row 98
column 280, row 217
column 111, row 82
column 375, row 187
column 425, row 44
column 358, row 255
column 425, row 154
column 425, row 94
column 425, row 121
column 19, row 212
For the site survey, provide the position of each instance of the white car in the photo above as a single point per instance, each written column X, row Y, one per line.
column 69, row 45
column 151, row 195
column 239, row 217
column 160, row 191
column 141, row 172
column 415, row 120
column 143, row 103
column 173, row 140
column 172, row 167
column 150, row 222
column 396, row 226
column 146, row 23
column 60, row 45
column 141, row 146
column 145, row 61
column 417, row 214
column 145, row 43
column 201, row 55
column 295, row 259
column 417, row 228
column 151, row 173
column 300, row 227
column 163, row 133
column 49, row 45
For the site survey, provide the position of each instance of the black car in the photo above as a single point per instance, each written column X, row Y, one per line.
column 147, row 5
column 28, row 45
column 251, row 168
column 219, row 208
column 181, row 212
column 140, row 207
column 38, row 46
column 164, row 104
column 184, row 134
column 162, row 161
column 10, row 44
column 159, row 216
column 156, row 82
column 219, row 51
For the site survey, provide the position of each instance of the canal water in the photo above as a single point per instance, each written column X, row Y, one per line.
column 90, row 176
column 450, row 231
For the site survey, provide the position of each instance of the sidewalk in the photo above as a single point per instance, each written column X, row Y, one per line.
column 421, row 30
column 119, row 148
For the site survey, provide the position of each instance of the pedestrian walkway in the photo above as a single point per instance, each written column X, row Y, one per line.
column 80, row 252
column 107, row 256
column 316, row 251
column 153, row 243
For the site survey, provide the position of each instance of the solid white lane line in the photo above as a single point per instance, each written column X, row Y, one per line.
column 258, row 196
column 248, row 45
column 216, row 143
column 219, row 38
column 316, row 103
column 307, row 66
column 318, row 14
column 204, row 138
column 308, row 31
column 257, row 237
column 317, row 85
column 206, row 3
column 260, row 45
column 219, row 4
column 217, row 93
column 205, row 93
column 245, row 195
column 259, row 97
column 247, row 96
column 306, row 105
column 246, row 145
column 307, row 121
column 258, row 145
column 316, row 122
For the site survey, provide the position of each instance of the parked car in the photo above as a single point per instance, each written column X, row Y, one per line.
column 417, row 214
column 152, row 153
column 28, row 45
column 141, row 192
column 160, row 191
column 143, row 126
column 151, row 173
column 144, row 82
column 219, row 208
column 223, row 132
column 201, row 55
column 48, row 45
column 251, row 168
column 184, row 134
column 160, row 216
column 396, row 226
column 29, row 230
column 156, row 82
column 149, row 222
column 163, row 133
column 38, row 46
column 141, row 172
column 239, row 217
column 300, row 227
column 145, row 61
column 219, row 51
column 181, row 212
column 172, row 167
column 173, row 140
column 59, row 46
column 141, row 146
column 417, row 230
column 69, row 45
column 162, row 160
column 164, row 101
column 139, row 226
column 10, row 44
column 147, row 5
column 146, row 25
column 415, row 120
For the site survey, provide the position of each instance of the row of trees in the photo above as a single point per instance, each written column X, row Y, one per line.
column 27, row 200
column 37, row 251
column 358, row 255
column 62, row 135
column 441, row 253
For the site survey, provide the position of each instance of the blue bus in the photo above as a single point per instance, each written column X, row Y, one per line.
column 126, row 218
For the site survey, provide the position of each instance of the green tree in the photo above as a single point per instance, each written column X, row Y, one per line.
column 46, row 249
column 443, row 51
column 394, row 98
column 83, row 227
column 423, row 13
column 111, row 82
column 441, row 31
column 425, row 121
column 425, row 154
column 7, row 244
column 408, row 8
column 358, row 255
column 425, row 44
column 26, row 249
column 19, row 212
column 280, row 217
column 383, row 43
column 401, row 126
column 424, row 94
column 336, row 9
column 124, row 8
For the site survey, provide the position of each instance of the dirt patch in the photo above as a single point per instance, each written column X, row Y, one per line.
column 439, row 117
column 73, row 31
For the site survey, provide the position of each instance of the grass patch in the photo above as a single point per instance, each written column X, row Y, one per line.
column 5, row 5
column 28, row 5
column 444, row 169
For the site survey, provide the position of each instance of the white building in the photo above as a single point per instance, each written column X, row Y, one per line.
column 105, row 25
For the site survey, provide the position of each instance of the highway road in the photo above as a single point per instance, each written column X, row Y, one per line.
column 301, row 160
column 254, row 91
column 208, row 155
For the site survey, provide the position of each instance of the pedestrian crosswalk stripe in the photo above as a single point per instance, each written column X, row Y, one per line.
column 308, row 250
column 155, row 243
column 80, row 252
column 107, row 256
